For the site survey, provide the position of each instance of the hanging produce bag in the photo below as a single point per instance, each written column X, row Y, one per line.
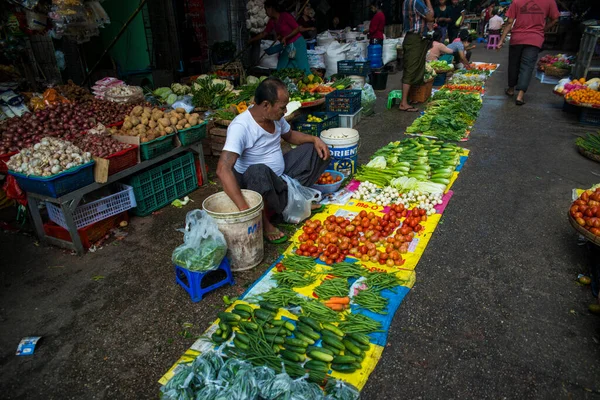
column 300, row 199
column 203, row 245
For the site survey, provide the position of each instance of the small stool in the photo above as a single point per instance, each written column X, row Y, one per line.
column 493, row 41
column 394, row 94
column 192, row 281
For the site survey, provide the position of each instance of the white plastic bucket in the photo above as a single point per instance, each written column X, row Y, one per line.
column 243, row 230
column 343, row 145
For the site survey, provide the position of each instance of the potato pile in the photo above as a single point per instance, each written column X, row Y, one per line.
column 151, row 123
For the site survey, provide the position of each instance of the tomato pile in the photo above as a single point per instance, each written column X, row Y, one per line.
column 327, row 179
column 586, row 211
column 337, row 237
column 464, row 87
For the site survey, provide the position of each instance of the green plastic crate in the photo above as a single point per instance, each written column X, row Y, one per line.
column 193, row 134
column 159, row 186
column 157, row 147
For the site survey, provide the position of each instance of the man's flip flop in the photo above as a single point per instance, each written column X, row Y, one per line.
column 280, row 240
column 409, row 109
column 509, row 93
column 519, row 102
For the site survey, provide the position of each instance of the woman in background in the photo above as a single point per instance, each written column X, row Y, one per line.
column 286, row 28
column 442, row 18
column 377, row 25
column 307, row 23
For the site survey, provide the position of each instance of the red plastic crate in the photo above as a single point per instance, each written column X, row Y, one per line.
column 122, row 160
column 89, row 234
column 4, row 159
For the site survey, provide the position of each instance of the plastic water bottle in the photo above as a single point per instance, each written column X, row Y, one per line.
column 375, row 55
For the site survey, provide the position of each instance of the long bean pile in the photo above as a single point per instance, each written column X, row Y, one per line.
column 319, row 311
column 589, row 143
column 383, row 280
column 299, row 263
column 281, row 296
column 336, row 287
column 359, row 323
column 372, row 300
column 294, row 278
column 347, row 270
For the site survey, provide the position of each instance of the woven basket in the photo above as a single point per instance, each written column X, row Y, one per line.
column 588, row 154
column 584, row 232
column 556, row 72
column 420, row 94
column 234, row 67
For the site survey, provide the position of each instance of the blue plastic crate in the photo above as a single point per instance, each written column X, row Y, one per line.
column 343, row 101
column 351, row 67
column 330, row 120
column 57, row 185
column 192, row 281
column 589, row 116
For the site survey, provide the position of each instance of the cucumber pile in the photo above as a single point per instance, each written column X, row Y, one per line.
column 305, row 346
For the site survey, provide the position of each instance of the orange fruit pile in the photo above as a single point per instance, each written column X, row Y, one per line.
column 585, row 96
column 327, row 179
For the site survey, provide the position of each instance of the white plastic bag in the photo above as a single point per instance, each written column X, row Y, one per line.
column 316, row 57
column 367, row 100
column 203, row 245
column 324, row 39
column 335, row 52
column 389, row 50
column 300, row 199
column 267, row 61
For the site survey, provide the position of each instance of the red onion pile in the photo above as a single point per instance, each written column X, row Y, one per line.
column 108, row 112
column 65, row 121
column 100, row 145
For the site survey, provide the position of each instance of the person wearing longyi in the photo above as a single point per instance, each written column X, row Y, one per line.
column 252, row 157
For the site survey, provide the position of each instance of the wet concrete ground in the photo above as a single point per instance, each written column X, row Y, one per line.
column 495, row 312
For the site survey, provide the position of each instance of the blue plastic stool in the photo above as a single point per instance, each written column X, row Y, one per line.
column 192, row 281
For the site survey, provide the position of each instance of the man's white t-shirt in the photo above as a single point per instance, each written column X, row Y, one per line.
column 495, row 23
column 254, row 145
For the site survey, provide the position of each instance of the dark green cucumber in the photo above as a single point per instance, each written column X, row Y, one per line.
column 305, row 338
column 315, row 365
column 239, row 344
column 313, row 323
column 333, row 342
column 332, row 349
column 320, row 356
column 305, row 330
column 351, row 347
column 249, row 326
column 243, row 314
column 343, row 360
column 274, row 339
column 278, row 330
column 317, row 348
column 296, row 342
column 263, row 314
column 295, row 349
column 290, row 355
column 344, row 368
column 325, row 332
column 244, row 307
column 359, row 345
column 217, row 338
column 360, row 338
column 242, row 338
column 268, row 306
column 228, row 317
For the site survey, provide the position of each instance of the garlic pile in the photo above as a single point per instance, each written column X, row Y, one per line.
column 368, row 191
column 48, row 157
column 257, row 17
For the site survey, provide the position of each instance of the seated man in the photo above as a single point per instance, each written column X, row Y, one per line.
column 252, row 157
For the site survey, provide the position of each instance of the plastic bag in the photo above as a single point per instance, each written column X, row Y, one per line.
column 263, row 375
column 209, row 392
column 303, row 390
column 203, row 245
column 245, row 386
column 389, row 52
column 340, row 390
column 335, row 52
column 267, row 61
column 215, row 360
column 230, row 369
column 316, row 57
column 180, row 386
column 300, row 199
column 367, row 100
column 291, row 49
column 278, row 388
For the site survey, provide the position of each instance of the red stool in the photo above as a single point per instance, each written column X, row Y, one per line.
column 493, row 41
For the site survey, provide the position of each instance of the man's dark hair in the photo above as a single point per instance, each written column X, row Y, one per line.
column 437, row 35
column 463, row 35
column 268, row 90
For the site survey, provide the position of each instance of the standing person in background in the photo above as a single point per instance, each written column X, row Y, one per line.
column 377, row 24
column 486, row 15
column 417, row 13
column 307, row 23
column 456, row 13
column 288, row 33
column 495, row 24
column 526, row 39
column 335, row 24
column 442, row 19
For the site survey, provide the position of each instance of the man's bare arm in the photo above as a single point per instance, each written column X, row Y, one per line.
column 230, row 184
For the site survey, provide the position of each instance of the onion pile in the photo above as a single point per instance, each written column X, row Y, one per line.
column 66, row 121
column 100, row 143
column 108, row 112
column 49, row 157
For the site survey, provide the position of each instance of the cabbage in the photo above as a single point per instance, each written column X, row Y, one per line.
column 172, row 98
column 252, row 80
column 377, row 162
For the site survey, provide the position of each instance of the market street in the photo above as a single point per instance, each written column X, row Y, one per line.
column 495, row 311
